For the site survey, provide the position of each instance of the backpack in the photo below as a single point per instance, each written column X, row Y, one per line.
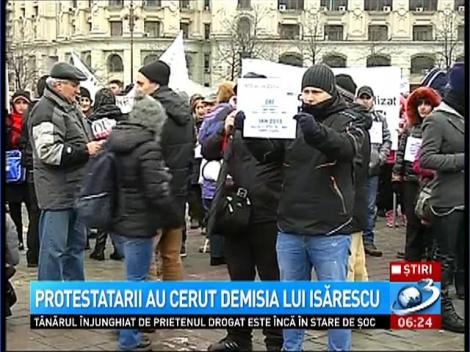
column 15, row 172
column 97, row 200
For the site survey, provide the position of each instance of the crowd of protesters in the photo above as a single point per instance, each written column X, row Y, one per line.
column 308, row 203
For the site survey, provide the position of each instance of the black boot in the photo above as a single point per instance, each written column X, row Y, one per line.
column 100, row 245
column 451, row 321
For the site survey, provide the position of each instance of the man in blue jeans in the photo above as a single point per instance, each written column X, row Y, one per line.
column 62, row 146
column 316, row 206
column 380, row 144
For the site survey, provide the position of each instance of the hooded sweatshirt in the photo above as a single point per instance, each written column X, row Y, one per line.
column 177, row 140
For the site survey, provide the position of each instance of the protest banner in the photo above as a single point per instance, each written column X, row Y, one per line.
column 385, row 81
column 270, row 114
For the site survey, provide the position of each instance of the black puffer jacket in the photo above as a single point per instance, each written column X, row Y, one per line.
column 178, row 139
column 144, row 198
column 317, row 195
column 262, row 180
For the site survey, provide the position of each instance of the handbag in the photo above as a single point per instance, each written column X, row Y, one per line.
column 422, row 208
column 230, row 211
column 15, row 172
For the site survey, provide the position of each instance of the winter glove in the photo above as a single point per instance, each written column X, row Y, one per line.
column 308, row 125
column 239, row 121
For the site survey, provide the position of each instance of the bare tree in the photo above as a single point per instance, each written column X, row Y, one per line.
column 241, row 39
column 447, row 38
column 311, row 45
column 21, row 59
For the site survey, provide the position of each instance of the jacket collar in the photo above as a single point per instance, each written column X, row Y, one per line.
column 58, row 100
column 447, row 108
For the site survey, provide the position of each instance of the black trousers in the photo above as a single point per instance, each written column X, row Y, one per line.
column 32, row 239
column 196, row 208
column 449, row 235
column 418, row 237
column 16, row 196
column 254, row 251
column 384, row 192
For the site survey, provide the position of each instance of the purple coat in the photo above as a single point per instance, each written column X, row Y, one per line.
column 212, row 123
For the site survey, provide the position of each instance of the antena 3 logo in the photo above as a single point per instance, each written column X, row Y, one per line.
column 416, row 298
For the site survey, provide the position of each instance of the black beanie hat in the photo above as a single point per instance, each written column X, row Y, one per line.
column 346, row 82
column 85, row 93
column 320, row 76
column 158, row 72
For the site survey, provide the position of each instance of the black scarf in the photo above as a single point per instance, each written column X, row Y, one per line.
column 455, row 101
column 326, row 108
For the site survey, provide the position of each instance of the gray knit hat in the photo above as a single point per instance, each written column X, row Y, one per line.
column 320, row 76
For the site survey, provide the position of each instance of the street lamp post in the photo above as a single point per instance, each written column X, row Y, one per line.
column 131, row 28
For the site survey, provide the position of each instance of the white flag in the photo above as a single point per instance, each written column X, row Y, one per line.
column 175, row 58
column 91, row 83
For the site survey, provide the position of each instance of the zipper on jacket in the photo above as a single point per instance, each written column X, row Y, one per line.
column 338, row 192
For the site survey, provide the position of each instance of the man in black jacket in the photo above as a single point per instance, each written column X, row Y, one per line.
column 178, row 139
column 316, row 206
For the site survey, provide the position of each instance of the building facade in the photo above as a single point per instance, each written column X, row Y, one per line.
column 115, row 37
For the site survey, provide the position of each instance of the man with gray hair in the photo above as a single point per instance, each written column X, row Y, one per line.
column 61, row 146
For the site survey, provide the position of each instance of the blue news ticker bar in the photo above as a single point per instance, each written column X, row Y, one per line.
column 292, row 298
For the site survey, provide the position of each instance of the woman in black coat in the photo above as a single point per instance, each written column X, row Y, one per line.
column 104, row 117
column 144, row 203
column 17, row 193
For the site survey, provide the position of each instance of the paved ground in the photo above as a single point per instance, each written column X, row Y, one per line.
column 21, row 338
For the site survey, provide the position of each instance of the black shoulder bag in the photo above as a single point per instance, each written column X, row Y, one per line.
column 230, row 210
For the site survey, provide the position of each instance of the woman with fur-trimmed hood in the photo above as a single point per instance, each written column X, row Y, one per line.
column 144, row 203
column 419, row 106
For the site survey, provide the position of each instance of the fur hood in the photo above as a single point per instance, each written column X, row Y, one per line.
column 149, row 113
column 145, row 123
column 412, row 103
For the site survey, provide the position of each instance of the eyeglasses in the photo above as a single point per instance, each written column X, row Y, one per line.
column 365, row 97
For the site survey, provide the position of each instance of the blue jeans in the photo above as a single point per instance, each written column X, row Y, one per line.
column 329, row 256
column 137, row 258
column 63, row 240
column 372, row 186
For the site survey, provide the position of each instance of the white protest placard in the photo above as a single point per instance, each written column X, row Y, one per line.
column 412, row 148
column 270, row 115
column 126, row 102
column 375, row 133
column 385, row 82
column 91, row 82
